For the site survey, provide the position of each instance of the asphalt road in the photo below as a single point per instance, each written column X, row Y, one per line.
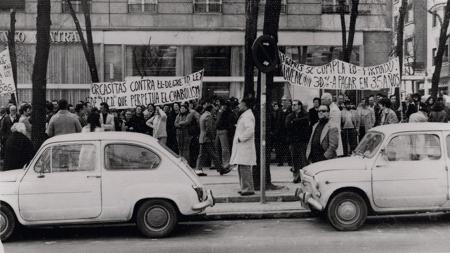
column 421, row 234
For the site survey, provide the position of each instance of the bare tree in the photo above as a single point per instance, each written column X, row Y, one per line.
column 440, row 50
column 251, row 26
column 347, row 43
column 88, row 46
column 12, row 51
column 39, row 77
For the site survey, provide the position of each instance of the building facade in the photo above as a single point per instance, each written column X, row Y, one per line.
column 177, row 37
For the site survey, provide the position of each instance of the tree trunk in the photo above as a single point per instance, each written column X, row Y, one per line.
column 12, row 52
column 39, row 76
column 251, row 26
column 90, row 44
column 351, row 31
column 399, row 50
column 88, row 47
column 271, row 20
column 440, row 51
column 343, row 26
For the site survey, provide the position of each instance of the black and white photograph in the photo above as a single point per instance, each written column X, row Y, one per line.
column 216, row 126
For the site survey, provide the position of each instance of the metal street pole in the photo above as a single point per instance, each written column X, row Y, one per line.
column 262, row 148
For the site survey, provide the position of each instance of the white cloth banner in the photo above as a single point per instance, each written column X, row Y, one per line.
column 147, row 90
column 7, row 85
column 339, row 75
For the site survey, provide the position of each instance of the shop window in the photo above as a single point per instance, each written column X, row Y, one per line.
column 6, row 5
column 76, row 4
column 143, row 6
column 283, row 9
column 151, row 60
column 334, row 6
column 214, row 60
column 207, row 6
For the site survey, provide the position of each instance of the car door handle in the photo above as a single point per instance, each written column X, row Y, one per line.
column 94, row 176
column 41, row 176
column 380, row 165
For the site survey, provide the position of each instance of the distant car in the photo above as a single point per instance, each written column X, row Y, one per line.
column 399, row 168
column 101, row 178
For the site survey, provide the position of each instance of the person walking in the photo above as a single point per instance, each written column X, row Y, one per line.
column 206, row 141
column 158, row 123
column 348, row 124
column 19, row 149
column 224, row 124
column 298, row 130
column 324, row 139
column 243, row 153
column 63, row 122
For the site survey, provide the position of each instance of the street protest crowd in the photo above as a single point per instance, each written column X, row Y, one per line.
column 219, row 133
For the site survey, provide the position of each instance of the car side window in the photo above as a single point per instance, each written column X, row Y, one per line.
column 413, row 147
column 67, row 158
column 130, row 157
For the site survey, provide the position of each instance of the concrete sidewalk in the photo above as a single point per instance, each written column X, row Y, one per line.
column 230, row 205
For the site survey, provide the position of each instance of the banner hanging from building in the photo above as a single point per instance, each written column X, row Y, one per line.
column 7, row 85
column 339, row 75
column 136, row 91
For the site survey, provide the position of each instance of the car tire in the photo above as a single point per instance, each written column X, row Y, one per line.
column 156, row 218
column 7, row 222
column 347, row 211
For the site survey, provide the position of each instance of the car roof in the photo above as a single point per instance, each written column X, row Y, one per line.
column 103, row 136
column 412, row 127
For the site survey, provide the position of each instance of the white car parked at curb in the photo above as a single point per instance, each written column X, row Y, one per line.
column 101, row 178
column 399, row 168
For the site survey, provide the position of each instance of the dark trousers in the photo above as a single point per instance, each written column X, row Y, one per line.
column 298, row 155
column 282, row 151
column 193, row 151
column 207, row 152
column 362, row 132
column 349, row 140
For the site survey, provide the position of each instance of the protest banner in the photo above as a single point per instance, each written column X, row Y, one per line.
column 135, row 91
column 339, row 75
column 7, row 85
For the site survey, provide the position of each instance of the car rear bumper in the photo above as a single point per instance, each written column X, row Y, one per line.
column 307, row 200
column 208, row 202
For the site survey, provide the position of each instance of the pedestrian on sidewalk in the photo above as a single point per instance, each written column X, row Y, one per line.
column 206, row 140
column 63, row 122
column 324, row 139
column 224, row 124
column 297, row 126
column 243, row 153
column 349, row 128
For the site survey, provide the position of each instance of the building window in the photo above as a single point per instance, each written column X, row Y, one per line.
column 283, row 9
column 143, row 6
column 409, row 15
column 18, row 5
column 409, row 47
column 214, row 60
column 207, row 6
column 396, row 23
column 435, row 19
column 151, row 60
column 76, row 4
column 333, row 6
column 434, row 56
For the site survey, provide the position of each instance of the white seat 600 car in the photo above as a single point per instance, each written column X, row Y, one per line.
column 101, row 178
column 399, row 168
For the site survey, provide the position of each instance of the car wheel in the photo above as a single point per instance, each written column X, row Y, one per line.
column 347, row 211
column 7, row 222
column 156, row 218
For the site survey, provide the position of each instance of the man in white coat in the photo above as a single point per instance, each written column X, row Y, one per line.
column 243, row 153
column 335, row 118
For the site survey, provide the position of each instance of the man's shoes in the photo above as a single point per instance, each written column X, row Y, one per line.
column 200, row 173
column 224, row 171
column 246, row 193
column 272, row 187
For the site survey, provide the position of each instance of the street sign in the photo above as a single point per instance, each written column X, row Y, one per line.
column 265, row 53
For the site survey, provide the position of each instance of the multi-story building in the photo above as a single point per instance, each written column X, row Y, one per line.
column 414, row 45
column 177, row 37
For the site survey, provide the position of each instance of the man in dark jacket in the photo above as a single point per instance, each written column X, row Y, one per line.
column 281, row 144
column 224, row 125
column 18, row 148
column 5, row 130
column 298, row 129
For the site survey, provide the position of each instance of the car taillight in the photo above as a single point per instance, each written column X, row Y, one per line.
column 199, row 191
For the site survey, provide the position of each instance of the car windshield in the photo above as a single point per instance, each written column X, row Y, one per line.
column 369, row 144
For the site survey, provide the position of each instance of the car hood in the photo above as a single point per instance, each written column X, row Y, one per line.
column 11, row 175
column 344, row 163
